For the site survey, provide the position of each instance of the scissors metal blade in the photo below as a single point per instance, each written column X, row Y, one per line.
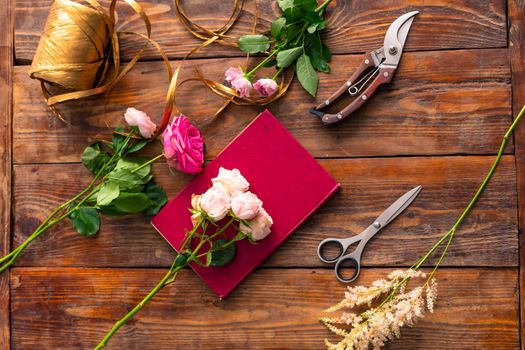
column 396, row 36
column 397, row 207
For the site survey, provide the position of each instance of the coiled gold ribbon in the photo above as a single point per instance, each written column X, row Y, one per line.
column 79, row 50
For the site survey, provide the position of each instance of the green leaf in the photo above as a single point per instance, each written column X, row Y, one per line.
column 287, row 57
column 86, row 221
column 277, row 27
column 133, row 163
column 93, row 158
column 137, row 146
column 132, row 203
column 107, row 193
column 254, row 43
column 315, row 51
column 128, row 181
column 307, row 5
column 182, row 259
column 220, row 256
column 157, row 197
column 285, row 4
column 306, row 74
column 293, row 14
column 118, row 140
column 270, row 63
column 327, row 55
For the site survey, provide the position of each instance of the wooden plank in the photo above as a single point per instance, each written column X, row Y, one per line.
column 460, row 106
column 517, row 52
column 488, row 237
column 355, row 26
column 6, row 65
column 72, row 309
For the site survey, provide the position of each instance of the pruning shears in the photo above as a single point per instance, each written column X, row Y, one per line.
column 379, row 65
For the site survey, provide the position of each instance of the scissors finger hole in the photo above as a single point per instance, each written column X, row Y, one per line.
column 347, row 270
column 331, row 250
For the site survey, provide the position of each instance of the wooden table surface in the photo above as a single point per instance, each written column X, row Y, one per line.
column 439, row 124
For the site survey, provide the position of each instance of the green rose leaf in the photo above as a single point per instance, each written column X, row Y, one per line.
column 137, row 146
column 254, row 43
column 107, row 193
column 182, row 259
column 133, row 163
column 157, row 197
column 131, row 203
column 285, row 4
column 86, row 221
column 128, row 181
column 220, row 256
column 306, row 74
column 307, row 5
column 118, row 140
column 287, row 57
column 94, row 158
column 277, row 27
column 317, row 55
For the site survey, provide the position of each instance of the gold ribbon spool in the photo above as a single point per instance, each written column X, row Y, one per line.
column 71, row 48
column 79, row 50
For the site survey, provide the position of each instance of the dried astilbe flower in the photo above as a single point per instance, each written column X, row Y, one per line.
column 373, row 327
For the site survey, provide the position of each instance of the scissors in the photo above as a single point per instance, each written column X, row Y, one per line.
column 381, row 64
column 354, row 258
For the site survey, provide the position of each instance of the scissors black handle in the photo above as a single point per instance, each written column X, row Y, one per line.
column 341, row 244
column 355, row 264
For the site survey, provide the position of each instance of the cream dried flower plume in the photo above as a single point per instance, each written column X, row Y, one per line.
column 374, row 327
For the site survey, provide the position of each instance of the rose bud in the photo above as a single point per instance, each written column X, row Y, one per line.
column 237, row 79
column 216, row 202
column 265, row 87
column 233, row 73
column 245, row 206
column 134, row 117
column 183, row 146
column 259, row 227
column 233, row 180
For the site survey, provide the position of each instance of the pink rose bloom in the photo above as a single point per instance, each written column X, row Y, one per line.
column 265, row 87
column 238, row 81
column 259, row 227
column 183, row 146
column 233, row 180
column 233, row 73
column 246, row 205
column 134, row 117
column 216, row 202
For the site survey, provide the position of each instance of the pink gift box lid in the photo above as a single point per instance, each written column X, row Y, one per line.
column 289, row 181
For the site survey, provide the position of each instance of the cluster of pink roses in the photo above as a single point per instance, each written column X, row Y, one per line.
column 183, row 144
column 229, row 195
column 242, row 84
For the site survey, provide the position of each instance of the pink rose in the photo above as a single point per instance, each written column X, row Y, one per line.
column 183, row 146
column 246, row 205
column 134, row 117
column 243, row 86
column 215, row 202
column 265, row 87
column 238, row 81
column 233, row 73
column 259, row 227
column 233, row 180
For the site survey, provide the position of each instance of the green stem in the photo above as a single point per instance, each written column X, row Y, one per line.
column 148, row 163
column 323, row 6
column 277, row 73
column 138, row 307
column 250, row 73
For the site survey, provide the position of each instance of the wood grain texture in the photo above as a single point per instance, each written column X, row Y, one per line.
column 517, row 54
column 6, row 68
column 72, row 309
column 460, row 106
column 488, row 237
column 354, row 25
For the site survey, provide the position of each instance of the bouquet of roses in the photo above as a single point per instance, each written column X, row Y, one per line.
column 226, row 204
